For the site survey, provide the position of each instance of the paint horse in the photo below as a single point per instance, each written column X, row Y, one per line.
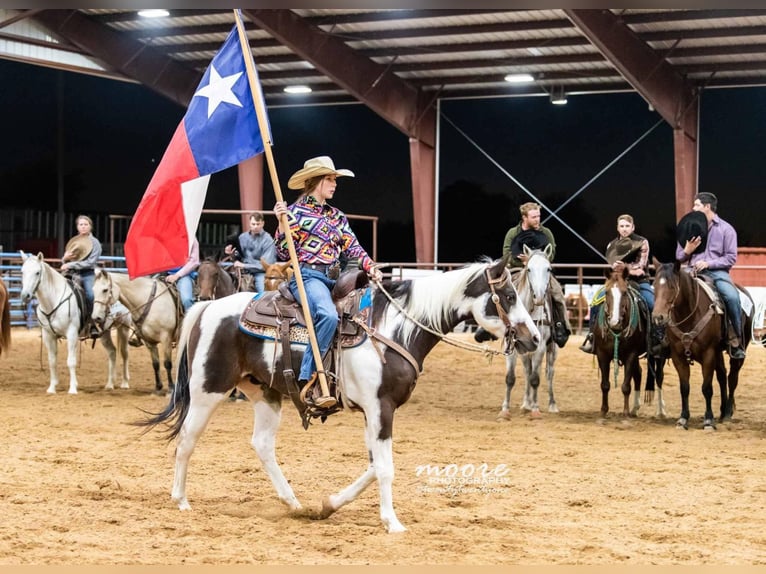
column 375, row 377
column 62, row 315
column 621, row 331
column 695, row 332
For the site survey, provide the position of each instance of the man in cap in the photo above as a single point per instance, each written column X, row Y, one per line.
column 715, row 260
column 532, row 233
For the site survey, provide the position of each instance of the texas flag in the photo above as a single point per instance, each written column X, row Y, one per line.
column 220, row 129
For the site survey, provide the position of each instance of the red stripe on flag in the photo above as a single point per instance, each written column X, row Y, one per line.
column 157, row 239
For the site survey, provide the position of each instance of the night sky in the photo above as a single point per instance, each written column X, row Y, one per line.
column 116, row 132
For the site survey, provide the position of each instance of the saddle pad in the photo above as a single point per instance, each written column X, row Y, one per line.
column 350, row 334
column 712, row 293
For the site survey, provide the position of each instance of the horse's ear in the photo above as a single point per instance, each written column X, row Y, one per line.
column 506, row 258
column 24, row 256
column 677, row 266
column 548, row 251
column 497, row 267
column 607, row 271
column 527, row 251
column 40, row 255
column 265, row 264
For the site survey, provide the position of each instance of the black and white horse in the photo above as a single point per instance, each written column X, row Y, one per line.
column 375, row 377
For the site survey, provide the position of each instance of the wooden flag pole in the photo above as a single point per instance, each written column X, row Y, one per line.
column 260, row 112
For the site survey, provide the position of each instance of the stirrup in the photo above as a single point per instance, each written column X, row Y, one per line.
column 322, row 402
column 587, row 344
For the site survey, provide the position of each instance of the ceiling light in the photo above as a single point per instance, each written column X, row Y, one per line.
column 153, row 13
column 558, row 96
column 297, row 89
column 519, row 78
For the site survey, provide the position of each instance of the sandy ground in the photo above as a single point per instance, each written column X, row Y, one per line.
column 80, row 486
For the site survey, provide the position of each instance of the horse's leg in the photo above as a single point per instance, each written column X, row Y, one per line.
column 71, row 360
column 604, row 362
column 682, row 367
column 267, row 409
column 636, row 374
column 202, row 405
column 167, row 362
column 123, row 334
column 658, row 365
column 531, row 362
column 155, row 353
column 709, row 362
column 379, row 423
column 650, row 379
column 551, row 353
column 510, row 381
column 111, row 353
column 51, row 345
column 735, row 365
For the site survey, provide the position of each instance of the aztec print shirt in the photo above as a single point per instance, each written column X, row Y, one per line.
column 321, row 233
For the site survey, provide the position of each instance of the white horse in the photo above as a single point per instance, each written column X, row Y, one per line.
column 61, row 317
column 153, row 309
column 376, row 376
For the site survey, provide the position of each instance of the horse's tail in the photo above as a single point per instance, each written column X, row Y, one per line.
column 5, row 321
column 175, row 412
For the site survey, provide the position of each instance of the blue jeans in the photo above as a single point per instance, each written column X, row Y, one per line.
column 323, row 314
column 88, row 278
column 647, row 294
column 185, row 287
column 259, row 282
column 728, row 292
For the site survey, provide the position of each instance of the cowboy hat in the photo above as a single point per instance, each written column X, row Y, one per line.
column 532, row 238
column 77, row 248
column 693, row 224
column 622, row 249
column 314, row 167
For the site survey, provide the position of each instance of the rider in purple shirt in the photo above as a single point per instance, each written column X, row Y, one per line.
column 719, row 256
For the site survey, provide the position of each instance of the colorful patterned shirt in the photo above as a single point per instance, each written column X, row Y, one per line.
column 320, row 233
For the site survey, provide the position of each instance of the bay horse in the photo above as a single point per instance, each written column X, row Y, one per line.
column 620, row 337
column 213, row 281
column 62, row 315
column 695, row 332
column 154, row 309
column 5, row 318
column 532, row 285
column 375, row 377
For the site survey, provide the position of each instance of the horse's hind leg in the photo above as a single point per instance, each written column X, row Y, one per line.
column 168, row 364
column 510, row 381
column 267, row 409
column 636, row 376
column 155, row 353
column 122, row 349
column 71, row 359
column 201, row 408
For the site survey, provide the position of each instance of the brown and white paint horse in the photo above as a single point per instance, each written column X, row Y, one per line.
column 215, row 356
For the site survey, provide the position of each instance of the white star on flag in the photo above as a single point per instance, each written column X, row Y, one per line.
column 219, row 90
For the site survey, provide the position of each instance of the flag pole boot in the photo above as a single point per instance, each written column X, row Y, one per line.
column 317, row 405
column 135, row 339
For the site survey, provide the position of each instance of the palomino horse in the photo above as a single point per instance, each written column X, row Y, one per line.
column 620, row 336
column 61, row 316
column 375, row 377
column 213, row 281
column 5, row 318
column 153, row 308
column 696, row 333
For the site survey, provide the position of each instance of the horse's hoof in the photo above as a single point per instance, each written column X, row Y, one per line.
column 535, row 414
column 503, row 416
column 553, row 409
column 327, row 508
column 682, row 424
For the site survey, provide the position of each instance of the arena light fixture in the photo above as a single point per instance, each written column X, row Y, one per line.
column 297, row 89
column 519, row 78
column 558, row 96
column 154, row 13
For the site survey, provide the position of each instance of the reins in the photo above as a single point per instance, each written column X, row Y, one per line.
column 493, row 283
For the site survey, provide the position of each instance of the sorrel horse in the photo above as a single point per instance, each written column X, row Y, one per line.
column 5, row 318
column 62, row 316
column 532, row 285
column 154, row 310
column 621, row 331
column 276, row 273
column 695, row 332
column 213, row 281
column 374, row 377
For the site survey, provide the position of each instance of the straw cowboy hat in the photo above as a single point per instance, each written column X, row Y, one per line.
column 77, row 248
column 532, row 238
column 693, row 224
column 314, row 167
column 622, row 249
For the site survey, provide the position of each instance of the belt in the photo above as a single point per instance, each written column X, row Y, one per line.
column 331, row 271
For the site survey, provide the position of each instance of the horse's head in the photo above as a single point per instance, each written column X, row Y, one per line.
column 538, row 270
column 31, row 275
column 667, row 287
column 501, row 312
column 105, row 294
column 276, row 273
column 617, row 304
column 207, row 279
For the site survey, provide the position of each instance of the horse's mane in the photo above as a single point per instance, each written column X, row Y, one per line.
column 432, row 300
